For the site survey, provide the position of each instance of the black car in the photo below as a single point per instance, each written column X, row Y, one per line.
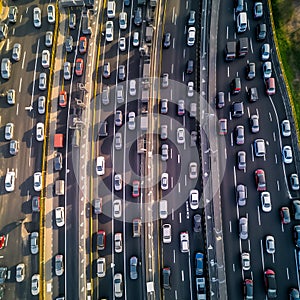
column 166, row 278
column 197, row 223
column 237, row 109
column 58, row 161
column 261, row 32
column 167, row 40
column 297, row 235
column 138, row 17
column 190, row 66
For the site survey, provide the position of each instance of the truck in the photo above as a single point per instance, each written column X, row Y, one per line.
column 58, row 140
column 149, row 34
column 144, row 121
column 230, row 51
column 243, row 46
column 146, row 71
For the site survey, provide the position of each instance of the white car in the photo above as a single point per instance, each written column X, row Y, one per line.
column 45, row 59
column 11, row 96
column 20, row 272
column 287, row 155
column 123, row 20
column 166, row 233
column 100, row 165
column 101, row 267
column 132, row 87
column 16, row 52
column 267, row 69
column 270, row 244
column 131, row 120
column 51, row 13
column 9, row 131
column 191, row 36
column 67, row 70
column 266, row 204
column 194, row 199
column 60, row 216
column 136, row 39
column 118, row 242
column 59, row 264
column 48, row 38
column 117, row 208
column 40, row 131
column 118, row 285
column 245, row 257
column 37, row 181
column 41, row 104
column 286, row 128
column 164, row 152
column 35, row 284
column 122, row 43
column 190, row 89
column 10, row 179
column 118, row 182
column 193, row 170
column 180, row 136
column 43, row 81
column 184, row 242
column 265, row 52
column 109, row 32
column 34, row 243
column 37, row 17
column 164, row 181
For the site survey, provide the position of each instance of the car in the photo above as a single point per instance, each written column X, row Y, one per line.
column 14, row 147
column 49, row 38
column 82, row 44
column 132, row 87
column 296, row 209
column 120, row 93
column 191, row 37
column 267, row 69
column 253, row 94
column 245, row 258
column 100, row 165
column 79, row 66
column 37, row 181
column 258, row 10
column 135, row 188
column 5, row 68
column 197, row 223
column 67, row 70
column 240, row 134
column 138, row 17
column 122, row 72
column 109, row 32
column 250, row 71
column 248, row 289
column 118, row 141
column 294, row 294
column 37, row 23
column 193, row 136
column 287, row 155
column 254, row 123
column 193, row 170
column 131, row 120
column 180, row 108
column 136, row 39
column 133, row 263
column 34, row 244
column 260, row 180
column 190, row 89
column 16, row 52
column 294, row 182
column 42, row 81
column 12, row 14
column 285, row 215
column 167, row 40
column 243, row 224
column 119, row 118
column 136, row 227
column 220, row 100
column 106, row 70
column 101, row 267
column 164, row 106
column 118, row 285
column 127, row 2
column 41, row 104
column 98, row 206
column 45, row 59
column 241, row 195
column 3, row 276
column 261, row 31
column 51, row 13
column 118, row 242
column 9, row 131
column 3, row 31
column 9, row 182
column 270, row 284
column 123, row 20
column 122, row 43
column 164, row 152
column 101, row 240
column 167, row 233
column 189, row 66
column 3, row 241
column 222, row 126
column 241, row 160
column 20, row 272
column 166, row 274
column 117, row 208
column 193, row 110
column 163, row 132
column 180, row 135
column 40, row 131
column 184, row 242
column 237, row 109
column 35, row 204
column 118, row 182
column 192, row 18
column 165, row 80
column 199, row 262
column 59, row 264
column 72, row 21
column 259, row 146
column 164, row 183
column 266, row 203
column 11, row 96
column 62, row 100
column 235, row 86
column 111, row 9
column 194, row 199
column 286, row 128
column 265, row 52
column 35, row 284
column 270, row 244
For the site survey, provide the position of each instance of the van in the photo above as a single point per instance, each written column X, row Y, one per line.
column 76, row 138
column 136, row 227
column 270, row 86
column 163, row 209
column 239, row 5
column 111, row 9
column 60, row 187
column 235, row 86
column 259, row 147
column 241, row 22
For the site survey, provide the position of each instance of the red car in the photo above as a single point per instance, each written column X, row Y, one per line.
column 82, row 44
column 135, row 188
column 79, row 66
column 62, row 99
column 285, row 215
column 2, row 241
column 260, row 180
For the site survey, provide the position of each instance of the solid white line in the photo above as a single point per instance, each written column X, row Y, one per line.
column 234, row 176
column 30, row 149
column 262, row 255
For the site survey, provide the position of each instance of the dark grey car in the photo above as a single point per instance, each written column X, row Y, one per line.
column 138, row 17
column 122, row 72
column 58, row 161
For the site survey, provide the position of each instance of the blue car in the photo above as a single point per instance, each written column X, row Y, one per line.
column 199, row 263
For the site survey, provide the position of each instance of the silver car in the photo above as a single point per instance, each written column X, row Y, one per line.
column 243, row 228
column 34, row 244
column 43, row 81
column 164, row 152
column 11, row 96
column 41, row 104
column 118, row 141
column 45, row 59
column 118, row 182
column 49, row 38
column 16, row 52
column 13, row 147
column 180, row 136
column 9, row 131
column 67, row 70
column 37, row 17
